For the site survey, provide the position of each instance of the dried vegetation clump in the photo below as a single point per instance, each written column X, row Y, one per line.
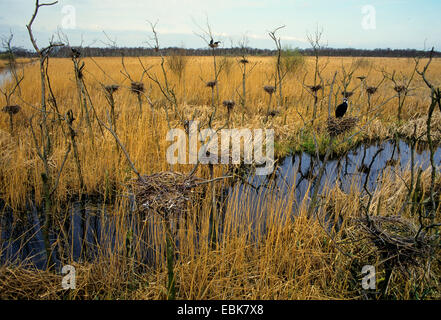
column 395, row 240
column 11, row 109
column 337, row 126
column 165, row 193
column 407, row 128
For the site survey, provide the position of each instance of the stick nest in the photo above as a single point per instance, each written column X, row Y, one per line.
column 137, row 87
column 165, row 193
column 338, row 126
column 394, row 238
column 11, row 109
column 269, row 89
column 111, row 89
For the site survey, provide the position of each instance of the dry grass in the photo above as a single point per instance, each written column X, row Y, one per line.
column 274, row 258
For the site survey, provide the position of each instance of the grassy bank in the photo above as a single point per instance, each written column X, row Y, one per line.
column 274, row 257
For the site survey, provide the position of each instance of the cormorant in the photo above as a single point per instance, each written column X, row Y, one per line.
column 341, row 109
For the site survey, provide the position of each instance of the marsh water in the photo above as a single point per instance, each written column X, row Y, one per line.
column 96, row 223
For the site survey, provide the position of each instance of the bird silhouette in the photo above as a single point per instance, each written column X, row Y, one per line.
column 341, row 109
column 75, row 53
column 214, row 44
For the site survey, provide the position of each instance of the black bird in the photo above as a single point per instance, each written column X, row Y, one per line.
column 75, row 53
column 341, row 109
column 214, row 44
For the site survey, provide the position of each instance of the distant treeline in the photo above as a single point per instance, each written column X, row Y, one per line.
column 134, row 52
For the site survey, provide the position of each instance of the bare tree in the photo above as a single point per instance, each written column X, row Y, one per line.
column 315, row 40
column 44, row 150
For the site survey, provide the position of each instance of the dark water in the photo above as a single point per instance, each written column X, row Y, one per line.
column 85, row 231
column 349, row 170
column 97, row 225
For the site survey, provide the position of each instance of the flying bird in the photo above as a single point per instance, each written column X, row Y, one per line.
column 214, row 44
column 341, row 109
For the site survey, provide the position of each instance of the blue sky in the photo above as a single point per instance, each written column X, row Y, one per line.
column 398, row 23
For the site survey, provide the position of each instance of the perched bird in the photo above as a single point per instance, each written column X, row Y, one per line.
column 341, row 109
column 75, row 53
column 214, row 44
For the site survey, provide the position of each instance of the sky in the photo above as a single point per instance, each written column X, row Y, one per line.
column 368, row 24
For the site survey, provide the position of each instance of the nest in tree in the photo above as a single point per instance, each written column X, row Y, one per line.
column 315, row 88
column 371, row 90
column 243, row 61
column 11, row 109
column 229, row 104
column 338, row 126
column 269, row 89
column 395, row 240
column 137, row 87
column 347, row 94
column 361, row 78
column 211, row 84
column 400, row 89
column 165, row 193
column 111, row 89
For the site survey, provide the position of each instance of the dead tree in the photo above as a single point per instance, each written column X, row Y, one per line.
column 44, row 149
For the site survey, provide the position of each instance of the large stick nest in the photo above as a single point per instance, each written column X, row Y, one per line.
column 338, row 126
column 165, row 193
column 395, row 240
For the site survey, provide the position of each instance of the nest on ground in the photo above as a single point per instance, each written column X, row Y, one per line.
column 11, row 109
column 338, row 126
column 395, row 240
column 111, row 89
column 165, row 193
column 137, row 87
column 273, row 113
